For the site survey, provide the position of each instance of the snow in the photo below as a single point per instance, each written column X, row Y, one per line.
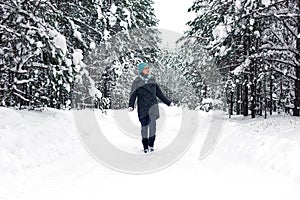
column 247, row 62
column 74, row 27
column 124, row 24
column 238, row 4
column 77, row 56
column 39, row 44
column 67, row 87
column 59, row 40
column 127, row 14
column 19, row 19
column 220, row 32
column 238, row 70
column 29, row 39
column 93, row 91
column 77, row 35
column 92, row 45
column 257, row 33
column 42, row 158
column 19, row 82
column 222, row 50
column 118, row 68
column 68, row 62
column 266, row 2
column 106, row 34
column 207, row 100
column 112, row 20
column 99, row 12
column 113, row 8
column 98, row 94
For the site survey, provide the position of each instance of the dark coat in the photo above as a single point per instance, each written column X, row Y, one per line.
column 146, row 97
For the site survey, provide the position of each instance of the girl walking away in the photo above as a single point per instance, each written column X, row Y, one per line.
column 145, row 89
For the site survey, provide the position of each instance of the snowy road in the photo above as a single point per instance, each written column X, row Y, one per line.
column 43, row 158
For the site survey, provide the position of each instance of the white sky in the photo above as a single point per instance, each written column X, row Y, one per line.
column 173, row 14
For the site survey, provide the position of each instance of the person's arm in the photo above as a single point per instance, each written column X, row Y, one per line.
column 161, row 96
column 132, row 99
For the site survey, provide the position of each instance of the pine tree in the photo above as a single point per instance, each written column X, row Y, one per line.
column 135, row 42
column 35, row 57
column 245, row 38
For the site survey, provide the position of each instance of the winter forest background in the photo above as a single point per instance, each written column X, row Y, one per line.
column 243, row 54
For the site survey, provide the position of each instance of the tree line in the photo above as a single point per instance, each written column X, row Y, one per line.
column 81, row 54
column 255, row 45
column 65, row 54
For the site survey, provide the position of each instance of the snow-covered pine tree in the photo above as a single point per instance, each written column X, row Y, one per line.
column 245, row 37
column 53, row 53
column 36, row 67
column 58, row 36
column 137, row 42
column 278, row 49
column 171, row 78
column 82, row 23
column 200, row 70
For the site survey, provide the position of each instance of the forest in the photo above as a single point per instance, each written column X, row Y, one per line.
column 75, row 54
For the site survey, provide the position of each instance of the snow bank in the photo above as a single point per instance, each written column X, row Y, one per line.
column 30, row 139
column 272, row 145
column 42, row 158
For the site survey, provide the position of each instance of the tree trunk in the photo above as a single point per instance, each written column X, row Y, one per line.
column 260, row 98
column 297, row 82
column 265, row 96
column 231, row 104
column 238, row 95
column 252, row 91
column 246, row 102
column 281, row 96
column 271, row 93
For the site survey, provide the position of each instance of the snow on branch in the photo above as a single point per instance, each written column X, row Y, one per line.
column 278, row 48
column 21, row 97
column 72, row 18
column 9, row 30
column 287, row 26
column 281, row 61
column 284, row 73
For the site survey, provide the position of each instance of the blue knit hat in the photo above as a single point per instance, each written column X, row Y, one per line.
column 142, row 66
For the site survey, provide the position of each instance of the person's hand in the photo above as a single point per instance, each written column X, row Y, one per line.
column 130, row 109
column 171, row 104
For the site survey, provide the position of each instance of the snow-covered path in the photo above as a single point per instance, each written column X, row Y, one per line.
column 43, row 158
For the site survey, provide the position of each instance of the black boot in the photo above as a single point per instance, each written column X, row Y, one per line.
column 145, row 144
column 151, row 143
